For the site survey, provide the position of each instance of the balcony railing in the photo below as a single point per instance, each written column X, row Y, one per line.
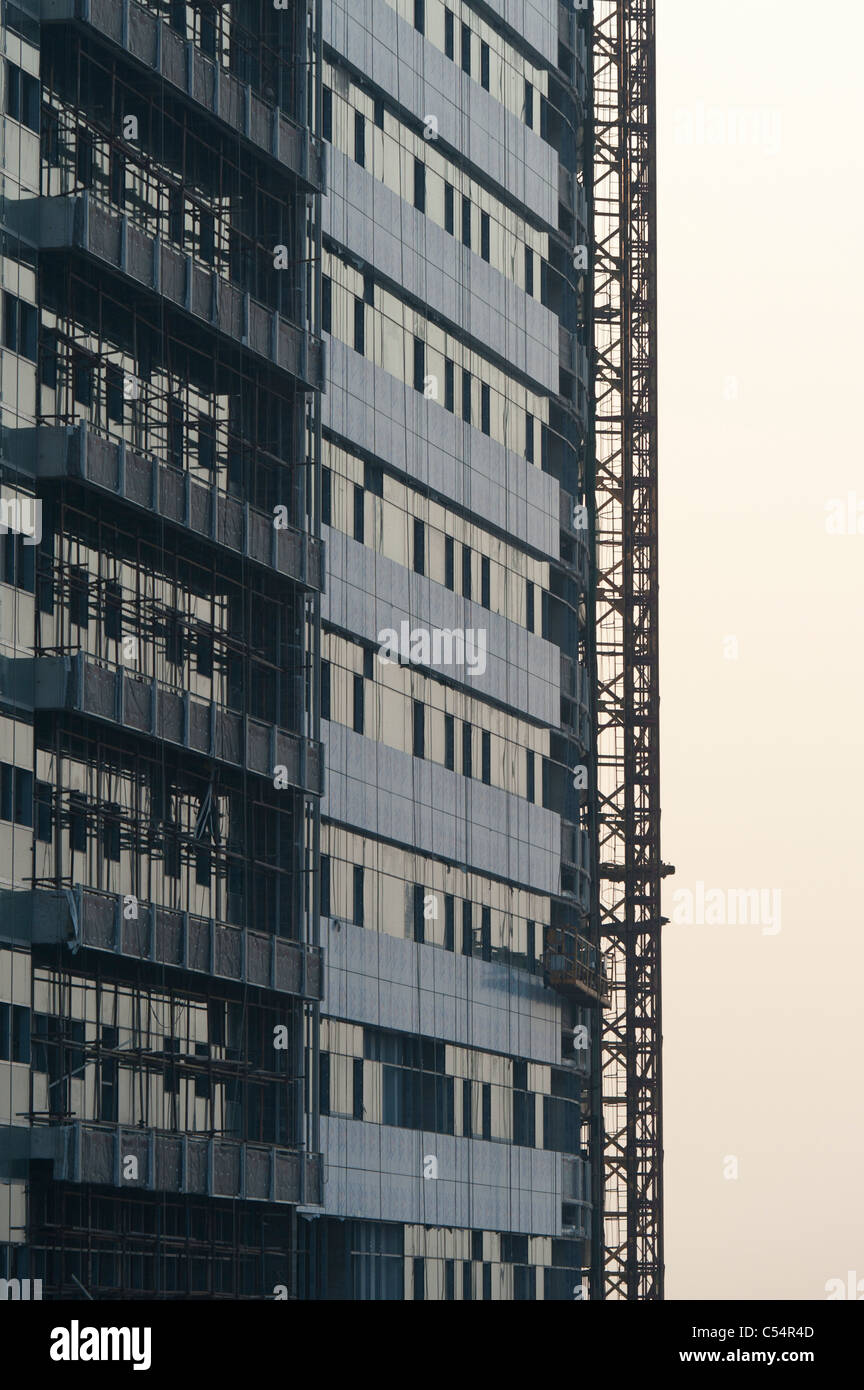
column 81, row 223
column 84, row 918
column 182, row 1163
column 151, row 42
column 55, row 451
column 148, row 707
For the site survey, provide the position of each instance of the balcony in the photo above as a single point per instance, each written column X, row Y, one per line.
column 58, row 451
column 83, row 918
column 573, row 966
column 80, row 223
column 207, row 86
column 146, row 706
column 181, row 1163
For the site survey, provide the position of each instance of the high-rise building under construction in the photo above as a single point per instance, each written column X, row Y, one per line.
column 329, row 866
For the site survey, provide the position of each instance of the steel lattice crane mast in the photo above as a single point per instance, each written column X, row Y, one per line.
column 628, row 771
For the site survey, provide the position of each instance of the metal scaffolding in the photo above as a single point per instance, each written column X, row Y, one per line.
column 625, row 323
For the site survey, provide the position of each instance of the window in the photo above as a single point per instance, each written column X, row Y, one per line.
column 114, row 394
column 359, row 705
column 202, row 866
column 327, row 115
column 484, row 235
column 357, row 1109
column 419, row 364
column 530, row 773
column 485, row 586
column 449, row 213
column 529, row 105
column 204, row 654
column 170, row 1074
column 23, row 96
column 486, row 756
column 529, row 605
column 485, row 409
column 419, row 546
column 48, row 361
column 467, row 1291
column 419, row 920
column 466, row 397
column 176, row 216
column 379, row 113
column 373, row 478
column 529, row 270
column 359, row 326
column 449, row 48
column 84, row 151
column 466, row 49
column 17, row 561
column 359, row 514
column 325, row 885
column 466, row 222
column 484, row 66
column 202, row 1079
column 419, row 1278
column 19, row 326
column 77, row 823
column 326, row 497
column 449, row 921
column 14, row 1033
column 487, row 1113
column 111, row 834
column 44, row 812
column 175, row 432
column 16, row 794
column 467, row 734
column 206, row 236
column 79, row 596
column 524, row 1126
column 419, row 730
column 449, row 567
column 359, row 906
column 325, row 689
column 419, row 185
column 449, row 386
column 450, row 742
column 467, row 929
column 324, row 1083
column 420, row 16
column 360, row 139
column 82, row 372
column 486, row 932
column 118, row 178
column 175, row 643
column 466, row 571
column 529, row 437
column 326, row 304
column 368, row 288
column 206, row 442
column 51, row 138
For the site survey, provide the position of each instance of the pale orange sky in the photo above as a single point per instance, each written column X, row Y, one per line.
column 763, row 772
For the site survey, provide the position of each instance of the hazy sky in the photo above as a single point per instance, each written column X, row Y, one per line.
column 761, row 174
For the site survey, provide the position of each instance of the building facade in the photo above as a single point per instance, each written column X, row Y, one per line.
column 161, row 769
column 456, row 869
column 299, row 955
